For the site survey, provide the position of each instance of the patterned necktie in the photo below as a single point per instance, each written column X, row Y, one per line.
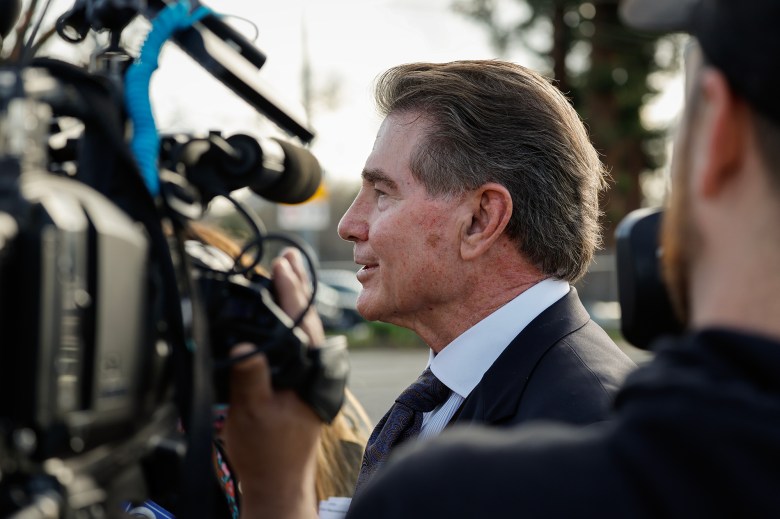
column 402, row 421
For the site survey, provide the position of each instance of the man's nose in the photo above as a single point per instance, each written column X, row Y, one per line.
column 353, row 226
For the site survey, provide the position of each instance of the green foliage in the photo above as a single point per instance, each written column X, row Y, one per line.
column 376, row 334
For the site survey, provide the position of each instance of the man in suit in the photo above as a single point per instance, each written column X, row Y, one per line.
column 477, row 212
column 478, row 209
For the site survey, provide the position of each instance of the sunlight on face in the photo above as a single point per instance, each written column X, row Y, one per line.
column 406, row 240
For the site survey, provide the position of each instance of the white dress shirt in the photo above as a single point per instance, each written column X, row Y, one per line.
column 463, row 362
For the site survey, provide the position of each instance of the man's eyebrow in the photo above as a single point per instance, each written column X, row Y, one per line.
column 375, row 175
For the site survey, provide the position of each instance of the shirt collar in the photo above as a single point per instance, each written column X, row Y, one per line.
column 463, row 362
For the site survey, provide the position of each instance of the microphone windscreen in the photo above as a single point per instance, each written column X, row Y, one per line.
column 300, row 179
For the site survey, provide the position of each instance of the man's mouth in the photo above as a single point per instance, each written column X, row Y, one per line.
column 366, row 271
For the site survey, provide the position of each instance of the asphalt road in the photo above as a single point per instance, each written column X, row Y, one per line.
column 379, row 375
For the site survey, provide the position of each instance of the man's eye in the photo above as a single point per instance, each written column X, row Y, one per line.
column 379, row 192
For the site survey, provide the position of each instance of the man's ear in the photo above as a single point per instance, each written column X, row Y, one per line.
column 725, row 124
column 490, row 209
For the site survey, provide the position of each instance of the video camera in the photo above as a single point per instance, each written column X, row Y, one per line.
column 646, row 310
column 115, row 319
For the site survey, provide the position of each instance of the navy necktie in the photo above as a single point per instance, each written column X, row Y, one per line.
column 402, row 421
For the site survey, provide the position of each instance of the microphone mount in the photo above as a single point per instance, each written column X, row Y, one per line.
column 235, row 62
column 215, row 166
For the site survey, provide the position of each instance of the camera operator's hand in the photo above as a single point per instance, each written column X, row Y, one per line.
column 271, row 439
column 293, row 290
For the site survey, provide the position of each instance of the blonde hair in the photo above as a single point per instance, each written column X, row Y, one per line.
column 341, row 450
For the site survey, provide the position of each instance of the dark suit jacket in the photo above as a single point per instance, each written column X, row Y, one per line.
column 695, row 433
column 562, row 366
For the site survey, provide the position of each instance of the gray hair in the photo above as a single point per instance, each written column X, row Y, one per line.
column 493, row 121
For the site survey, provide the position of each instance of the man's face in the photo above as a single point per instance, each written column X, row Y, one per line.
column 406, row 240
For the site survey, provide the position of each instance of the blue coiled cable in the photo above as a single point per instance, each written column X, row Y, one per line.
column 145, row 143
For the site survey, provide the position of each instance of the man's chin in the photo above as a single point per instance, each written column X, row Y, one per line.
column 366, row 309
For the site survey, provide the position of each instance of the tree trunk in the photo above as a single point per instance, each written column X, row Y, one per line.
column 560, row 49
column 622, row 150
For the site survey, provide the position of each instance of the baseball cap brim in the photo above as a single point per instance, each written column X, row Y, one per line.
column 658, row 15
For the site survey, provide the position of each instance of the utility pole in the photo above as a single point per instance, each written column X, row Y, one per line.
column 309, row 234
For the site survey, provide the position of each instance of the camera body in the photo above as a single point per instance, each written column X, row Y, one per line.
column 116, row 333
column 241, row 308
column 646, row 310
column 76, row 329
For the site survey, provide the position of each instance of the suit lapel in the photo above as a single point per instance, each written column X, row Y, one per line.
column 498, row 394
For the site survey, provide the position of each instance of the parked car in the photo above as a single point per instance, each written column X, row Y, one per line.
column 328, row 305
column 348, row 288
